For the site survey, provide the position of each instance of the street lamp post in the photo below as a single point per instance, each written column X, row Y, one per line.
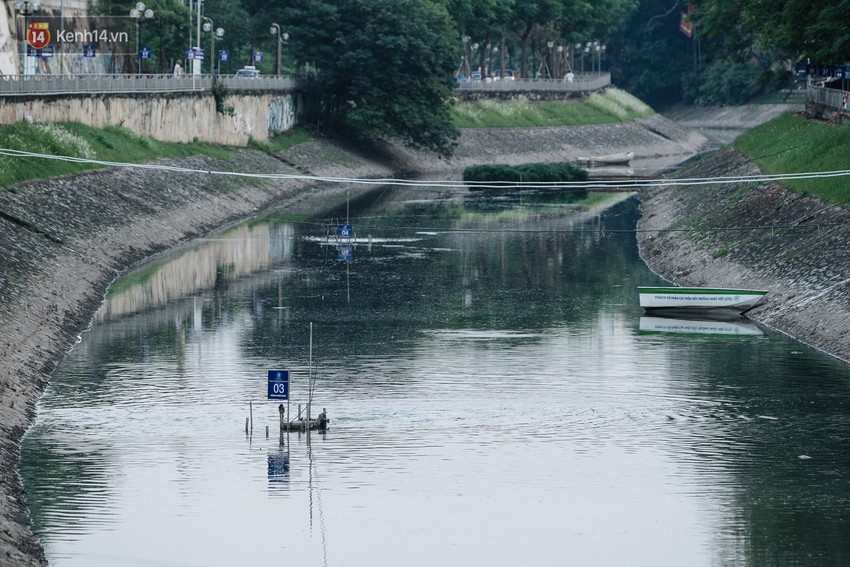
column 465, row 59
column 559, row 65
column 137, row 13
column 217, row 33
column 196, row 49
column 594, row 52
column 23, row 9
column 281, row 37
column 580, row 48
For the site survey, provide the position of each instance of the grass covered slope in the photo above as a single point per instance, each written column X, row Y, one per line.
column 793, row 144
column 72, row 139
column 110, row 143
column 605, row 107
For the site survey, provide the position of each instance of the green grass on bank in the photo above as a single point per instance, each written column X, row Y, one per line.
column 280, row 143
column 605, row 107
column 72, row 139
column 792, row 144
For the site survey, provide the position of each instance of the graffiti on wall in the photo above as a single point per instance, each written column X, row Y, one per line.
column 281, row 114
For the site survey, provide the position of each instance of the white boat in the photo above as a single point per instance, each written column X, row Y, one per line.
column 622, row 158
column 699, row 298
column 704, row 326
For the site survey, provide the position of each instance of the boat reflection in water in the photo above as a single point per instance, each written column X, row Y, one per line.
column 740, row 326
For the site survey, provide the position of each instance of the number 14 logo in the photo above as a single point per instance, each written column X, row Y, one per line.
column 38, row 35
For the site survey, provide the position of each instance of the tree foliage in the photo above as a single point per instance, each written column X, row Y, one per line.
column 649, row 55
column 525, row 173
column 786, row 29
column 379, row 67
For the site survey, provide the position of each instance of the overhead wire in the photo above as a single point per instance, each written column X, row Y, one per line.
column 447, row 184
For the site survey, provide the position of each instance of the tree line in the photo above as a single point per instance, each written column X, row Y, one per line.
column 388, row 67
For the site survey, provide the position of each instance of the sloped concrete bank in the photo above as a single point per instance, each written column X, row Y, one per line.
column 755, row 236
column 62, row 241
column 658, row 143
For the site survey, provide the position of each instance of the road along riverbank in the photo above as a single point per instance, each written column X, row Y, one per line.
column 63, row 240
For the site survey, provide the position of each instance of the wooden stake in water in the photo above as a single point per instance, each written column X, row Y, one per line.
column 310, row 373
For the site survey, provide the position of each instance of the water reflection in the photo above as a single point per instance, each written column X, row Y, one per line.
column 492, row 386
column 694, row 326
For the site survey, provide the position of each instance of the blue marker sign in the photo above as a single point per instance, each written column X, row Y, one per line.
column 278, row 385
column 345, row 254
column 223, row 55
column 258, row 56
column 89, row 50
column 144, row 53
column 344, row 231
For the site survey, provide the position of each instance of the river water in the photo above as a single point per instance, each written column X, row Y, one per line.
column 496, row 397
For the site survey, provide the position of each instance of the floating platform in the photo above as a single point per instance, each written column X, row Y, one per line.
column 304, row 425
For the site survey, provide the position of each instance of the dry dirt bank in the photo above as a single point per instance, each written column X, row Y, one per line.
column 755, row 236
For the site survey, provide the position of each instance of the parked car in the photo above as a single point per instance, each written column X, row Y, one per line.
column 508, row 76
column 249, row 72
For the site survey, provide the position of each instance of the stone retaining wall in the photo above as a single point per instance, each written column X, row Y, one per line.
column 167, row 117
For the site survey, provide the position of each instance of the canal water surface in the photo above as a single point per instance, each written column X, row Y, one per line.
column 496, row 398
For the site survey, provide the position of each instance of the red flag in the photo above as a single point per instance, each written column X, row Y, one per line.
column 686, row 26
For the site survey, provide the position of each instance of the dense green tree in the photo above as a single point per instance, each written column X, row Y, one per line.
column 379, row 67
column 238, row 25
column 650, row 57
column 483, row 23
column 166, row 33
column 528, row 15
column 784, row 29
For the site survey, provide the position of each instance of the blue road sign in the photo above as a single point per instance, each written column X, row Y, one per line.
column 278, row 385
column 223, row 55
column 89, row 50
column 258, row 56
column 190, row 54
column 144, row 53
column 345, row 254
column 344, row 231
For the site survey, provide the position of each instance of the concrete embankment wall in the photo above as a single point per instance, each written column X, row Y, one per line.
column 168, row 117
column 658, row 143
column 755, row 235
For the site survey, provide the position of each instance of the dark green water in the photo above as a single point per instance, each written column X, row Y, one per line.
column 496, row 398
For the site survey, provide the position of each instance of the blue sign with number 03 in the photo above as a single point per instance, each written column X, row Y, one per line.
column 278, row 384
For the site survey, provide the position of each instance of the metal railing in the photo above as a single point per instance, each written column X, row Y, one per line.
column 824, row 97
column 588, row 82
column 21, row 85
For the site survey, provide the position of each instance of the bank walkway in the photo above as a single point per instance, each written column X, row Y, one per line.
column 56, row 85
